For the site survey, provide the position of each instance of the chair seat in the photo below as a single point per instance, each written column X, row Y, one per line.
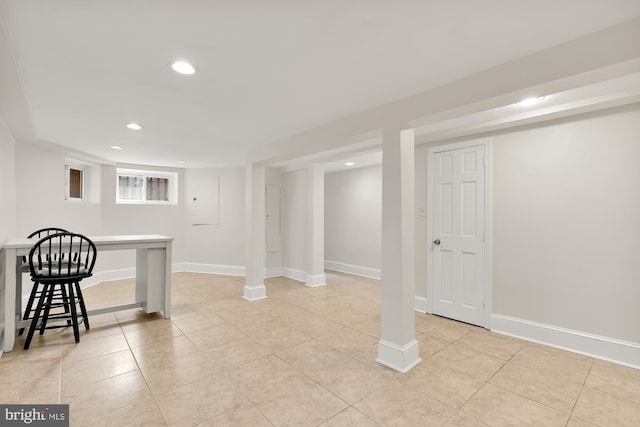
column 64, row 270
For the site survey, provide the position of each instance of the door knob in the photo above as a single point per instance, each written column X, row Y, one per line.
column 436, row 242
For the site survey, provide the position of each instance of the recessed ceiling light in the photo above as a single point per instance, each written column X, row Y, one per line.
column 116, row 147
column 182, row 161
column 531, row 101
column 183, row 67
column 349, row 164
column 134, row 126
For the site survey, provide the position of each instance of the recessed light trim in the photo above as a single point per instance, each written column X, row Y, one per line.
column 115, row 147
column 133, row 126
column 183, row 67
column 349, row 164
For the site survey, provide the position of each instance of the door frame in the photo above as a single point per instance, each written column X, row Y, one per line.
column 431, row 151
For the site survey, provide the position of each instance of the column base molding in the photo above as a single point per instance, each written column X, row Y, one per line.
column 400, row 358
column 315, row 281
column 254, row 293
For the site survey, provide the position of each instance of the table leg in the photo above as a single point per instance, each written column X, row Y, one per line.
column 151, row 278
column 11, row 263
column 167, row 281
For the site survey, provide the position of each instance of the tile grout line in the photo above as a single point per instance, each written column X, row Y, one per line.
column 141, row 373
column 60, row 377
column 584, row 382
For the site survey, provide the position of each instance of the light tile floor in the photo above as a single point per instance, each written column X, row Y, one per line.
column 303, row 357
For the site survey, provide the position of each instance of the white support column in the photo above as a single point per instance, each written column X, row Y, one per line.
column 255, row 241
column 398, row 348
column 315, row 227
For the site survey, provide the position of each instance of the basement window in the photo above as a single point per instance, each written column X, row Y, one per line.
column 146, row 187
column 74, row 183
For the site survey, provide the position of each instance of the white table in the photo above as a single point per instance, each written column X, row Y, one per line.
column 153, row 276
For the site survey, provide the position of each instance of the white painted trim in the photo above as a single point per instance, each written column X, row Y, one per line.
column 422, row 304
column 234, row 270
column 107, row 276
column 254, row 293
column 372, row 273
column 488, row 243
column 191, row 267
column 225, row 270
column 315, row 281
column 488, row 276
column 270, row 272
column 295, row 274
column 429, row 226
column 605, row 348
column 400, row 358
column 179, row 267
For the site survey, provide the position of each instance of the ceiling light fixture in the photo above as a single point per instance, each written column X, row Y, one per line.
column 134, row 126
column 116, row 147
column 349, row 164
column 531, row 101
column 183, row 67
column 182, row 161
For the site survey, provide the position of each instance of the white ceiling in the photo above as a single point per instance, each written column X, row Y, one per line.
column 266, row 69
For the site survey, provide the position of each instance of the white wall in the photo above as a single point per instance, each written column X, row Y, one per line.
column 40, row 181
column 566, row 230
column 421, row 224
column 566, row 235
column 353, row 217
column 7, row 185
column 7, row 206
column 221, row 243
column 168, row 220
column 40, row 194
column 275, row 260
column 40, row 186
column 294, row 207
column 566, row 221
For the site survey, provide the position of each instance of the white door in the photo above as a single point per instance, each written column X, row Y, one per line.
column 457, row 244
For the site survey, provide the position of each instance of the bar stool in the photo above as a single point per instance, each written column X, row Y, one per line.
column 24, row 268
column 58, row 263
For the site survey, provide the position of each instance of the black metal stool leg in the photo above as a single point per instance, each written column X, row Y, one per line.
column 36, row 316
column 65, row 299
column 48, row 292
column 74, row 314
column 83, row 308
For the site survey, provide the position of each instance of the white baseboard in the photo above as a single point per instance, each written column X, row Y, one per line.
column 400, row 358
column 237, row 270
column 295, row 274
column 605, row 348
column 226, row 270
column 372, row 273
column 270, row 272
column 315, row 281
column 179, row 267
column 108, row 276
column 254, row 293
column 422, row 305
column 190, row 267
